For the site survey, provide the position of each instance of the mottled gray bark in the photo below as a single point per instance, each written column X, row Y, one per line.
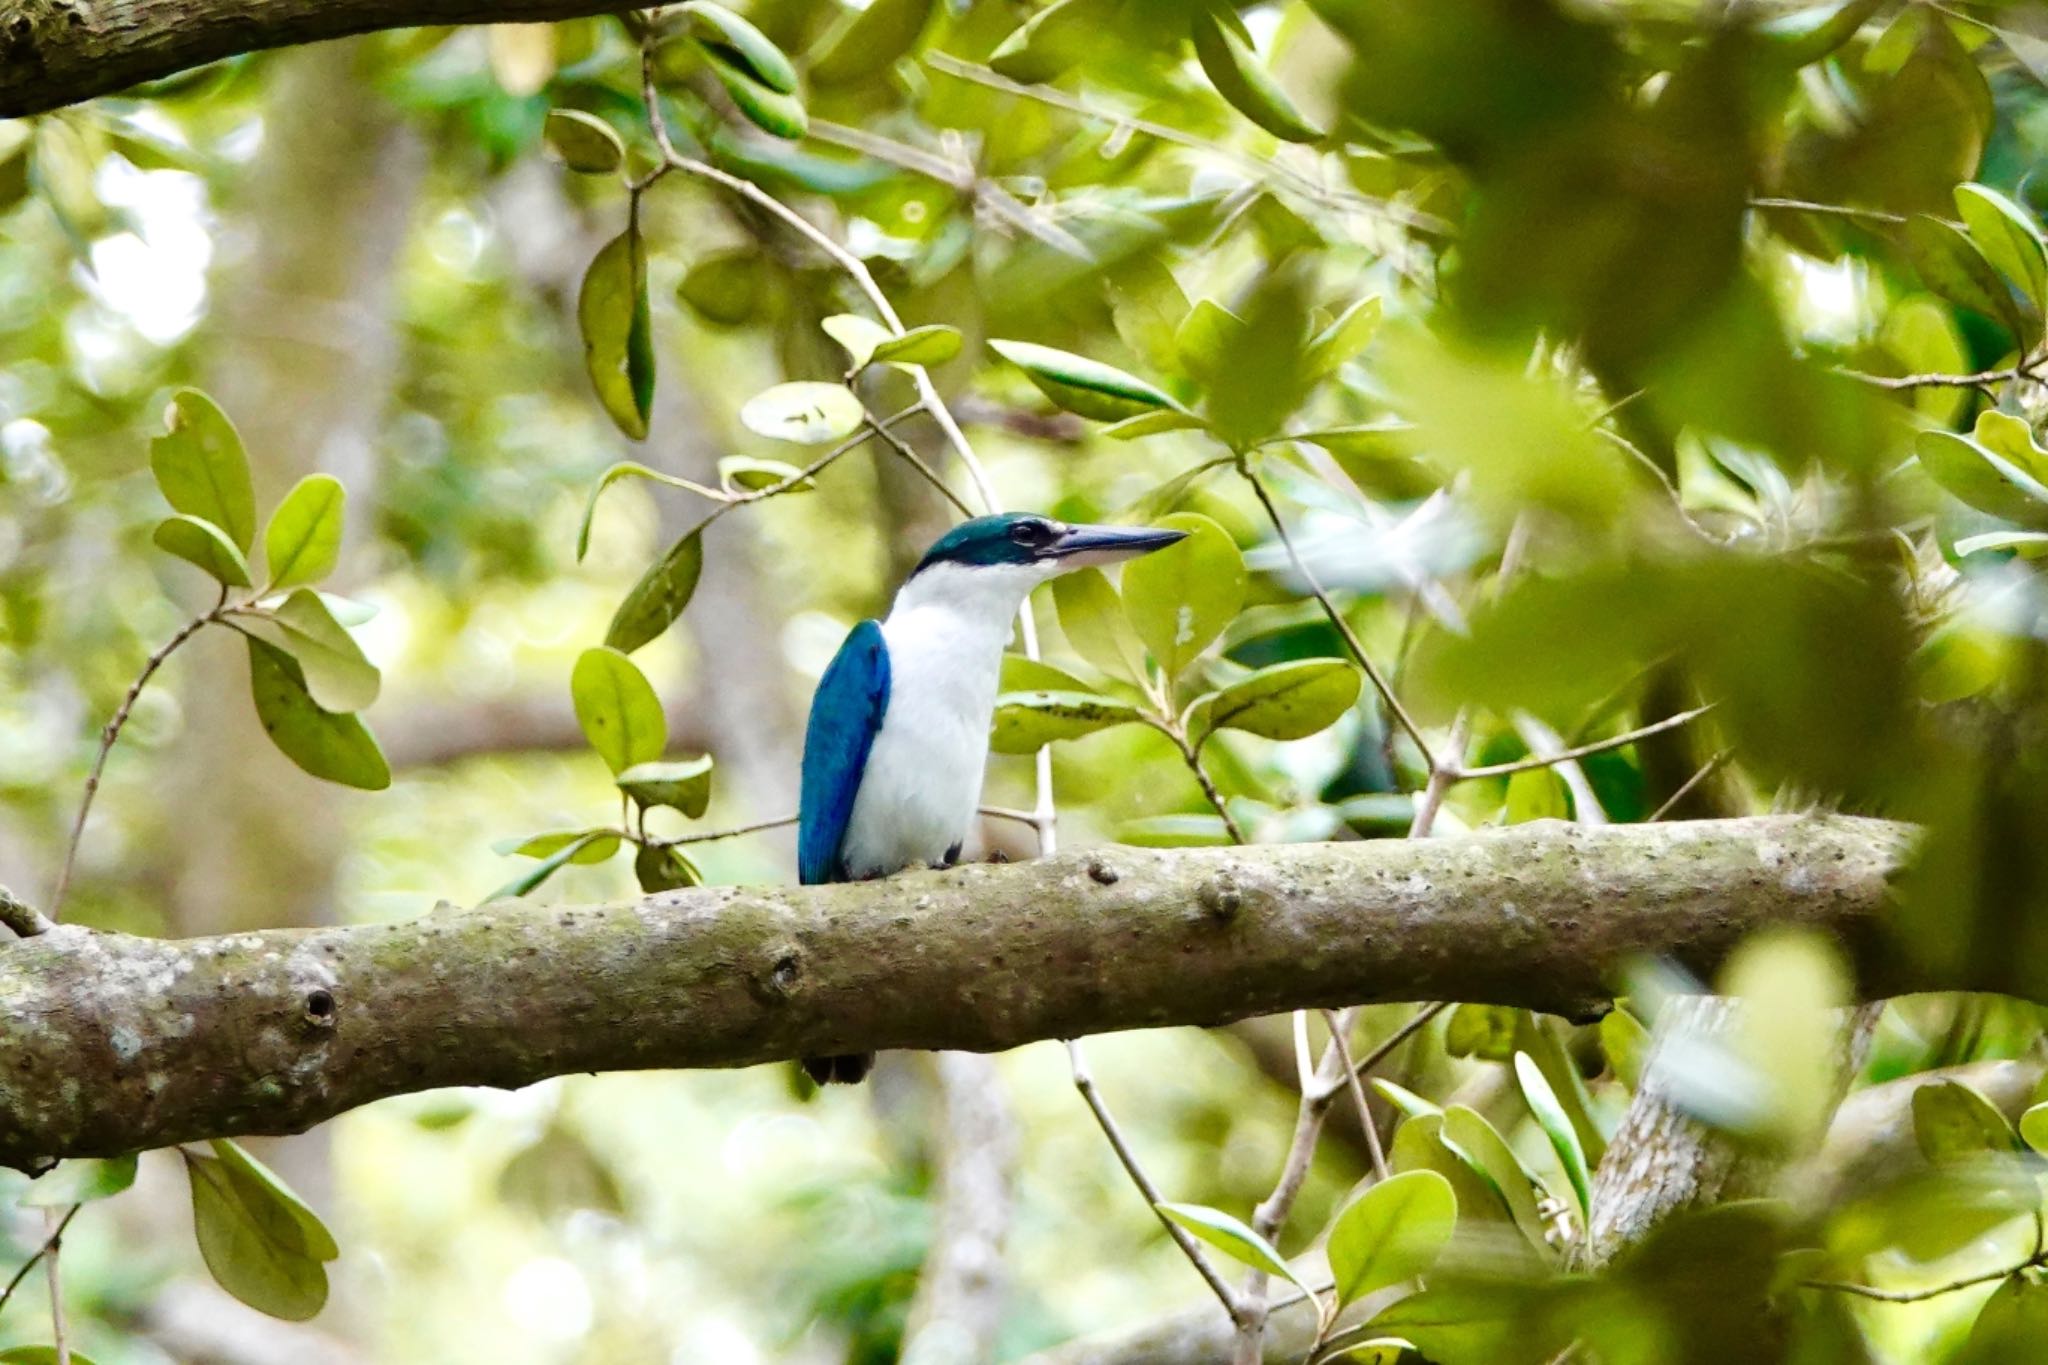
column 110, row 1043
column 964, row 1286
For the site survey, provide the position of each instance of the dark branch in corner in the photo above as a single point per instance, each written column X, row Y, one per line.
column 273, row 1032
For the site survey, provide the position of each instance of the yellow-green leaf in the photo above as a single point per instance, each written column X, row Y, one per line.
column 684, row 785
column 584, row 142
column 772, row 111
column 933, row 344
column 617, row 708
column 618, row 346
column 1181, row 598
column 751, row 475
column 1231, row 1237
column 303, row 540
column 1086, row 387
column 2006, row 234
column 1284, row 701
column 866, row 42
column 1234, row 69
column 1393, row 1232
column 660, row 867
column 806, row 412
column 1556, row 1126
column 623, row 469
column 592, row 845
column 260, row 1241
column 1952, row 1122
column 202, row 543
column 1027, row 721
column 200, row 466
column 743, row 45
column 1093, row 621
column 81, row 1180
column 338, row 675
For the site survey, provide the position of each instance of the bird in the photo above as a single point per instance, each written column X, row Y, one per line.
column 898, row 731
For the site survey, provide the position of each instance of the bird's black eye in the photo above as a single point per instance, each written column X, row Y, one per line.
column 1034, row 535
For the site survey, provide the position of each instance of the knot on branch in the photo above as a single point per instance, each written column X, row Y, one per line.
column 1221, row 897
column 780, row 976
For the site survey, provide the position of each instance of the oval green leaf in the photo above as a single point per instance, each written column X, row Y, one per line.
column 806, row 412
column 623, row 469
column 933, row 344
column 1093, row 620
column 742, row 45
column 202, row 543
column 1234, row 69
column 337, row 674
column 618, row 346
column 1082, row 386
column 659, row 597
column 201, row 468
column 2006, row 234
column 617, row 709
column 1284, row 701
column 659, row 867
column 261, row 1243
column 2034, row 1127
column 1951, row 265
column 584, row 142
column 772, row 111
column 867, row 42
column 1983, row 478
column 725, row 287
column 1393, row 1232
column 746, row 474
column 857, row 336
column 303, row 540
column 330, row 745
column 1026, row 722
column 1051, row 40
column 1468, row 1135
column 1152, row 424
column 592, row 845
column 1231, row 1237
column 1181, row 598
column 1952, row 1122
column 684, row 785
column 1557, row 1126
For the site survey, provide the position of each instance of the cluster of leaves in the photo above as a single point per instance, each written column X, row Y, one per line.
column 622, row 718
column 307, row 675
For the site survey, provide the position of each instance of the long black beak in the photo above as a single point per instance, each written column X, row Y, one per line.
column 1084, row 545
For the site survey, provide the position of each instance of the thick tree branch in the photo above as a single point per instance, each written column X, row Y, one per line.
column 110, row 1043
column 58, row 52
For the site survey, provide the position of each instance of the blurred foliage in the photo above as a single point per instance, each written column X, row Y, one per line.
column 1587, row 363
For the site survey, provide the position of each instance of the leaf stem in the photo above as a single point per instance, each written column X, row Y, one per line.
column 1868, row 1291
column 1598, row 746
column 111, row 733
column 50, row 1244
column 757, row 827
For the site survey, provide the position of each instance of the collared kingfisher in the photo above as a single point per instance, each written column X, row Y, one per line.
column 898, row 733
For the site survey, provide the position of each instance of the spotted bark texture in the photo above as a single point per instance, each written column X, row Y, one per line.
column 111, row 1043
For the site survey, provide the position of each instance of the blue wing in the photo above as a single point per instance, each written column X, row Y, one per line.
column 846, row 714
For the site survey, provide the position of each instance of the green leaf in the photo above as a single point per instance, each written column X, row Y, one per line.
column 618, row 345
column 1052, row 40
column 1379, row 457
column 2034, row 1127
column 2006, row 234
column 1393, row 1232
column 742, row 45
column 260, row 1241
column 584, row 142
column 1022, row 674
column 1406, row 1100
column 1282, row 701
column 1232, row 1238
column 664, row 868
column 1550, row 1116
column 1344, row 338
column 1026, row 722
column 1468, row 1135
column 867, row 42
column 659, row 597
column 579, row 849
column 303, row 540
column 1093, row 620
column 1208, row 337
column 1483, row 1031
column 807, row 412
column 1234, row 69
column 337, row 674
column 2011, row 1326
column 750, row 475
column 1951, row 265
column 199, row 465
column 592, row 845
column 1627, row 1045
column 80, row 1180
column 1970, row 468
column 857, row 336
column 1952, row 1122
column 1152, row 424
column 617, row 708
column 772, row 111
column 1179, row 599
column 1083, row 386
column 333, row 746
column 726, row 287
column 204, row 544
column 933, row 344
column 2029, row 544
column 40, row 1355
column 1174, row 831
column 683, row 785
column 623, row 469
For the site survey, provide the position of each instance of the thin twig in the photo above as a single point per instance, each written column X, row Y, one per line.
column 1980, row 380
column 1685, row 788
column 1867, row 1291
column 1336, row 617
column 1084, row 1081
column 1357, row 1089
column 1599, row 746
column 1193, row 759
column 1379, row 1054
column 1834, row 210
column 931, row 476
column 52, row 1259
column 733, row 833
column 55, row 1239
column 112, row 732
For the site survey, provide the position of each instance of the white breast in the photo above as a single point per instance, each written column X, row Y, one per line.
column 922, row 784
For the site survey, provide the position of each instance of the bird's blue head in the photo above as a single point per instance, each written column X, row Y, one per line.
column 1025, row 540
